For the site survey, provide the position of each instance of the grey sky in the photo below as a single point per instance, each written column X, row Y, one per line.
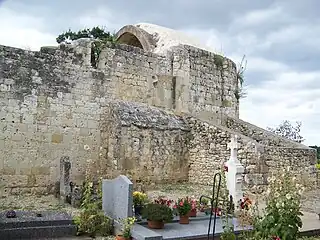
column 279, row 37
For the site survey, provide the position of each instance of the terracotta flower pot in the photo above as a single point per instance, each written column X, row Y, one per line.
column 184, row 219
column 193, row 213
column 120, row 237
column 155, row 224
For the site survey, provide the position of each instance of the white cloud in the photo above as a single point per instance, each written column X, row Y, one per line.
column 284, row 98
column 102, row 17
column 258, row 17
column 23, row 31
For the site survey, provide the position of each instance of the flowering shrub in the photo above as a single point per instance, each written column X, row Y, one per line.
column 245, row 203
column 164, row 201
column 183, row 206
column 157, row 212
column 127, row 225
column 139, row 198
column 194, row 204
column 282, row 214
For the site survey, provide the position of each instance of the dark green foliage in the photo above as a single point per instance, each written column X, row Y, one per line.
column 218, row 61
column 94, row 33
column 100, row 35
column 318, row 151
column 92, row 220
column 157, row 212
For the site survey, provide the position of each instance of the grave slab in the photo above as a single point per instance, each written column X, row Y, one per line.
column 196, row 229
column 27, row 225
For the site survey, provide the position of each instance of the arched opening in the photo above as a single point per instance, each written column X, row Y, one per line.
column 134, row 36
column 130, row 39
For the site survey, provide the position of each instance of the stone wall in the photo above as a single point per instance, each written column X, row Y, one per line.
column 51, row 104
column 54, row 104
column 187, row 80
column 213, row 85
column 208, row 151
column 145, row 143
column 49, row 109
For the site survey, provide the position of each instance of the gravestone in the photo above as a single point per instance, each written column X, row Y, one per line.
column 117, row 199
column 65, row 167
column 234, row 172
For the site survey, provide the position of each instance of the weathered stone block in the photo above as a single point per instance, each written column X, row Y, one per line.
column 56, row 138
column 8, row 171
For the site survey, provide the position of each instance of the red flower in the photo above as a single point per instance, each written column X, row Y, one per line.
column 181, row 203
column 225, row 168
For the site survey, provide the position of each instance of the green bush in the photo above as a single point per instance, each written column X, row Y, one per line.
column 92, row 220
column 157, row 212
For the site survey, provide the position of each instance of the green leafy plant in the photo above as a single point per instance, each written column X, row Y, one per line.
column 183, row 206
column 157, row 212
column 204, row 201
column 282, row 214
column 228, row 233
column 127, row 224
column 218, row 61
column 92, row 220
column 242, row 66
column 100, row 36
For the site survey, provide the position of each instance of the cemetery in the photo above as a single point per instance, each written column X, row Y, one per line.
column 112, row 207
column 141, row 139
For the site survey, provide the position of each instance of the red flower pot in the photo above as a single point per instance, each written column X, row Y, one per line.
column 184, row 219
column 155, row 224
column 120, row 237
column 193, row 213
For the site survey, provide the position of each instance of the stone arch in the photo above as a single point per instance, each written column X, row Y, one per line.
column 137, row 37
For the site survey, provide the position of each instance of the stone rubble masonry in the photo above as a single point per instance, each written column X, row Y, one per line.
column 155, row 118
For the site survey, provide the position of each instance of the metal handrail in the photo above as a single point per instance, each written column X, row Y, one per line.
column 212, row 199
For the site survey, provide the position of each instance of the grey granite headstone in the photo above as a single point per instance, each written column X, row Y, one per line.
column 117, row 197
column 65, row 167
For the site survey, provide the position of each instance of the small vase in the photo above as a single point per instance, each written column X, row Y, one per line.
column 193, row 213
column 120, row 237
column 155, row 224
column 184, row 219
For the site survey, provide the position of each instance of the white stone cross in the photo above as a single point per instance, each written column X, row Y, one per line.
column 234, row 146
column 234, row 172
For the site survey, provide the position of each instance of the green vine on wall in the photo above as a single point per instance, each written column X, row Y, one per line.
column 100, row 35
column 218, row 61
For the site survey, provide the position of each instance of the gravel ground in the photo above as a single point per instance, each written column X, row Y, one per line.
column 310, row 201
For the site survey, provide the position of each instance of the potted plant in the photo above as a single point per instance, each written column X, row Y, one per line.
column 126, row 229
column 157, row 215
column 193, row 212
column 183, row 207
column 139, row 200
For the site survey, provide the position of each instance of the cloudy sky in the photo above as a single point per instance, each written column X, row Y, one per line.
column 281, row 39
